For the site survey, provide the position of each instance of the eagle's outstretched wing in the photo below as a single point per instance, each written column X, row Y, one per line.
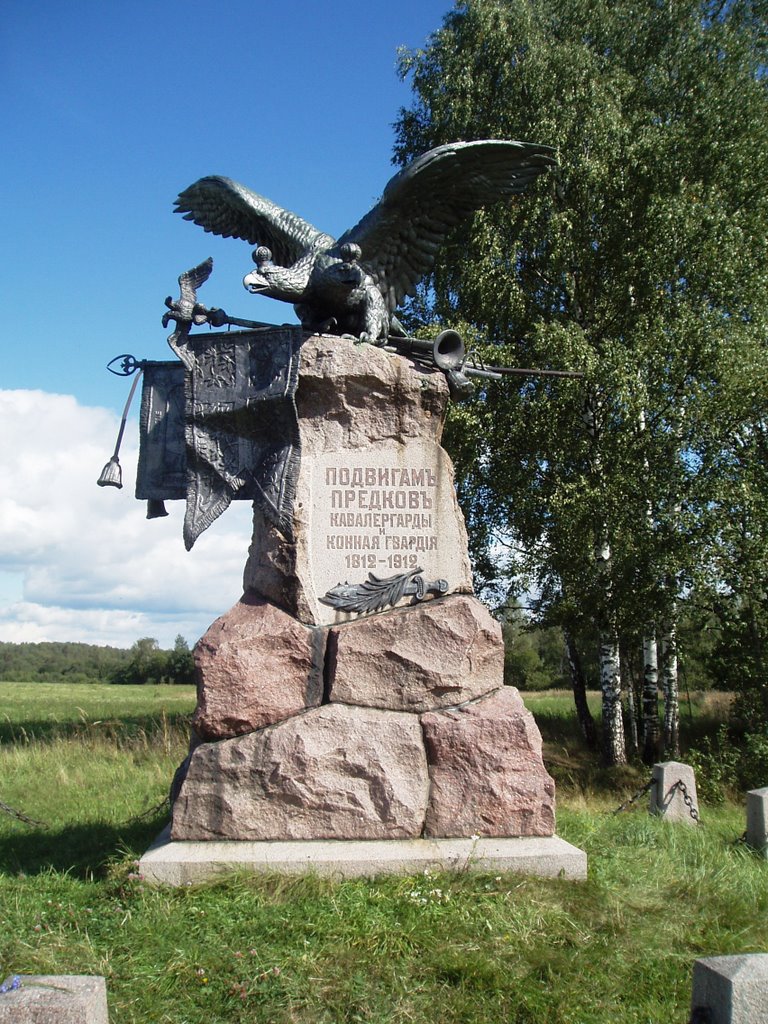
column 224, row 207
column 400, row 236
column 192, row 279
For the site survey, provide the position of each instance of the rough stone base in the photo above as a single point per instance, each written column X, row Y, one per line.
column 336, row 772
column 346, row 772
column 186, row 863
column 56, row 999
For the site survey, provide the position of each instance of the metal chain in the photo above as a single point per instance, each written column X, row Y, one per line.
column 686, row 799
column 145, row 815
column 628, row 803
column 21, row 816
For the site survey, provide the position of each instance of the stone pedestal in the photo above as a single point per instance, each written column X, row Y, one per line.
column 191, row 863
column 256, row 665
column 412, row 733
column 355, row 693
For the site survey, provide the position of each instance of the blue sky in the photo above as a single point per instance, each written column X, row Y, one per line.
column 109, row 110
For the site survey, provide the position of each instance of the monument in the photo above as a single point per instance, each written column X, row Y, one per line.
column 354, row 695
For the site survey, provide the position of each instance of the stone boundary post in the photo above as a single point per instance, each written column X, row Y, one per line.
column 757, row 819
column 673, row 783
column 730, row 990
column 54, row 999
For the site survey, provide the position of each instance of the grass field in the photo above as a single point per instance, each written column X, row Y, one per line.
column 85, row 761
column 40, row 710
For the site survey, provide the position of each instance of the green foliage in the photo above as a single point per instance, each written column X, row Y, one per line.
column 181, row 663
column 642, row 262
column 59, row 662
column 754, row 766
column 145, row 662
column 728, row 763
column 148, row 664
column 461, row 948
column 629, row 263
column 738, row 656
column 533, row 657
column 716, row 764
column 698, row 634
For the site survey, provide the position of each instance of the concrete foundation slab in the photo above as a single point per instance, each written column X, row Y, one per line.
column 55, row 999
column 186, row 863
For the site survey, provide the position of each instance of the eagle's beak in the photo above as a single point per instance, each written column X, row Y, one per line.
column 255, row 283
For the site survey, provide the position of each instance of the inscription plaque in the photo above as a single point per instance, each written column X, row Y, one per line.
column 384, row 511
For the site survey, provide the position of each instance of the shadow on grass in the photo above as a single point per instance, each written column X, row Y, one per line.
column 122, row 729
column 83, row 851
column 560, row 729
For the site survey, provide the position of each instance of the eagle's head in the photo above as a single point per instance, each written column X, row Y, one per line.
column 286, row 283
column 338, row 273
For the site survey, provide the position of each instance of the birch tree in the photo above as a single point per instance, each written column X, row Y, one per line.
column 640, row 261
column 739, row 569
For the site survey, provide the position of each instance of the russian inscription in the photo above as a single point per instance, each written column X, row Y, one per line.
column 369, row 515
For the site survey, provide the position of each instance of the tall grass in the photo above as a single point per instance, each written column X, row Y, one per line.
column 432, row 948
column 37, row 711
column 86, row 761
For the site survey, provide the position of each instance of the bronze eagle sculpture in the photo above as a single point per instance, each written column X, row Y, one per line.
column 354, row 284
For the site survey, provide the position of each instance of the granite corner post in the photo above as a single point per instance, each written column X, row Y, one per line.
column 318, row 724
column 54, row 999
column 730, row 989
column 757, row 820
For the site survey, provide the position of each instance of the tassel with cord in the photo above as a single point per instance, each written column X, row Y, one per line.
column 112, row 474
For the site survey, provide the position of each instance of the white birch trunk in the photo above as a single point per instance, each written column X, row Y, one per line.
column 632, row 715
column 614, row 751
column 650, row 699
column 650, row 689
column 671, row 692
column 614, row 747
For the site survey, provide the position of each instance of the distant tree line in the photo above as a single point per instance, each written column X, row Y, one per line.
column 537, row 657
column 50, row 662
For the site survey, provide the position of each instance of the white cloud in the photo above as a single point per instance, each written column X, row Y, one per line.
column 89, row 566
